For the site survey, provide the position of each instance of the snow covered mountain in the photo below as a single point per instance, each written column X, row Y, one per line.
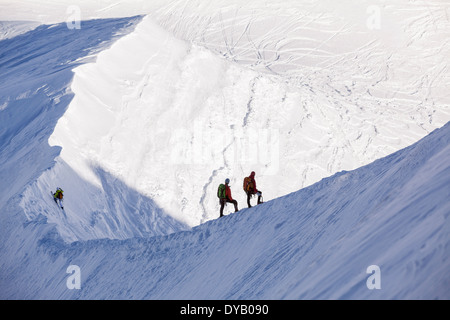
column 139, row 119
column 316, row 243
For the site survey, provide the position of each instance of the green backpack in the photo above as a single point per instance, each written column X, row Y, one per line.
column 221, row 191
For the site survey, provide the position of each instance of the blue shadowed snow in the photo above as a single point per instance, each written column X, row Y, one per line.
column 35, row 70
column 312, row 244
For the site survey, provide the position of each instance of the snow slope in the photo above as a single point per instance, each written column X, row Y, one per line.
column 36, row 76
column 10, row 29
column 232, row 88
column 52, row 12
column 34, row 95
column 316, row 243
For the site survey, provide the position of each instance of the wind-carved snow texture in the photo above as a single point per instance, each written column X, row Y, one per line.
column 316, row 243
column 198, row 92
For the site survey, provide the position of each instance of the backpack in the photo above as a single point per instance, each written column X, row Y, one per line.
column 59, row 194
column 248, row 184
column 221, row 191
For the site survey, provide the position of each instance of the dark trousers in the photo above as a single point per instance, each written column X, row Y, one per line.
column 224, row 201
column 249, row 195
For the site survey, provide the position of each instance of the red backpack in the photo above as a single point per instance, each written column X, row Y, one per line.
column 248, row 184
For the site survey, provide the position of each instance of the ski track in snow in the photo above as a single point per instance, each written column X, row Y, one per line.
column 219, row 84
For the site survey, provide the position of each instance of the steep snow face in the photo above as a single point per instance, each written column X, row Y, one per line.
column 295, row 91
column 164, row 122
column 35, row 92
column 35, row 70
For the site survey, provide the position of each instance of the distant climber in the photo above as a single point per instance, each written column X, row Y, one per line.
column 224, row 195
column 250, row 188
column 58, row 197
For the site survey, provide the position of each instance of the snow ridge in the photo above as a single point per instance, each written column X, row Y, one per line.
column 312, row 244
